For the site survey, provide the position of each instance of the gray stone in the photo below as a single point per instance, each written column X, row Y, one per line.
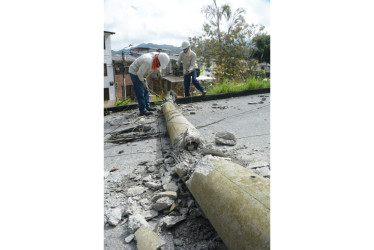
column 136, row 221
column 135, row 191
column 147, row 178
column 170, row 194
column 149, row 214
column 106, row 174
column 264, row 171
column 153, row 185
column 152, row 169
column 159, row 161
column 165, row 180
column 225, row 138
column 169, row 160
column 170, row 221
column 129, row 238
column 258, row 164
column 178, row 242
column 138, row 177
column 114, row 216
column 172, row 186
column 162, row 203
column 183, row 211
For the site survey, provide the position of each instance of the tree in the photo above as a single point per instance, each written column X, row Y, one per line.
column 262, row 48
column 226, row 42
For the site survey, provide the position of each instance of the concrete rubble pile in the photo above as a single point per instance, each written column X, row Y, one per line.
column 153, row 201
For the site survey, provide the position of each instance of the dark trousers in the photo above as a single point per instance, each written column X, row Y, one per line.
column 195, row 82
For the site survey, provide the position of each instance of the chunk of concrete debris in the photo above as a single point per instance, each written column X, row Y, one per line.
column 129, row 238
column 171, row 186
column 182, row 169
column 147, row 178
column 169, row 160
column 114, row 216
column 258, row 164
column 159, row 161
column 264, row 171
column 165, row 179
column 170, row 221
column 153, row 185
column 170, row 194
column 106, row 174
column 225, row 138
column 146, row 239
column 136, row 221
column 162, row 203
column 152, row 169
column 135, row 191
column 149, row 214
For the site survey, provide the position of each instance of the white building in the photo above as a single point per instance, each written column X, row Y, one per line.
column 109, row 86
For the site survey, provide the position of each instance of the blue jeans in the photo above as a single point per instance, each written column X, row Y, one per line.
column 195, row 82
column 142, row 95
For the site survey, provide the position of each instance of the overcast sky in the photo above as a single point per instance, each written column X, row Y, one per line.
column 169, row 22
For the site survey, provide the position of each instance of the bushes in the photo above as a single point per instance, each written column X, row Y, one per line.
column 122, row 102
column 230, row 86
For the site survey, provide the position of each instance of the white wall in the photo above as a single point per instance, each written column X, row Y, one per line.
column 108, row 60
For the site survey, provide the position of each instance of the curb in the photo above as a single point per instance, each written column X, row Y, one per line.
column 193, row 99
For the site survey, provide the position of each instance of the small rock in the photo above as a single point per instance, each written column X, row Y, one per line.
column 129, row 238
column 135, row 191
column 162, row 203
column 143, row 163
column 165, row 180
column 192, row 112
column 170, row 221
column 172, row 186
column 149, row 214
column 136, row 221
column 147, row 178
column 169, row 160
column 138, row 177
column 159, row 161
column 153, row 185
column 170, row 194
column 114, row 216
column 178, row 242
column 189, row 203
column 225, row 138
column 152, row 169
column 183, row 211
column 264, row 171
column 106, row 174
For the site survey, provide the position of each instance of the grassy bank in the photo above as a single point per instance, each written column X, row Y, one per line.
column 228, row 86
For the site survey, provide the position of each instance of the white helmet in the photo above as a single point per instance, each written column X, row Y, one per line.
column 185, row 45
column 164, row 60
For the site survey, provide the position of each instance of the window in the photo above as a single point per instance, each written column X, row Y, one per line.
column 105, row 71
column 118, row 69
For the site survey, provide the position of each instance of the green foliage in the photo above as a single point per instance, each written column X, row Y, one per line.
column 122, row 102
column 232, row 86
column 158, row 100
column 262, row 47
column 226, row 42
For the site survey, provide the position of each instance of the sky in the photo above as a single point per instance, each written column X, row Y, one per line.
column 169, row 22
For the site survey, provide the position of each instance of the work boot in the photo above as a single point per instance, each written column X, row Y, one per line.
column 151, row 109
column 204, row 93
column 145, row 113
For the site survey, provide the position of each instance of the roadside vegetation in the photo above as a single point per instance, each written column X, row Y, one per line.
column 231, row 86
column 122, row 102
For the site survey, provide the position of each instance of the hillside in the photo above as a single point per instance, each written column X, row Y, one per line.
column 172, row 49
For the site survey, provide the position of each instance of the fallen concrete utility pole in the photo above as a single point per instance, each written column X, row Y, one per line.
column 183, row 134
column 235, row 200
